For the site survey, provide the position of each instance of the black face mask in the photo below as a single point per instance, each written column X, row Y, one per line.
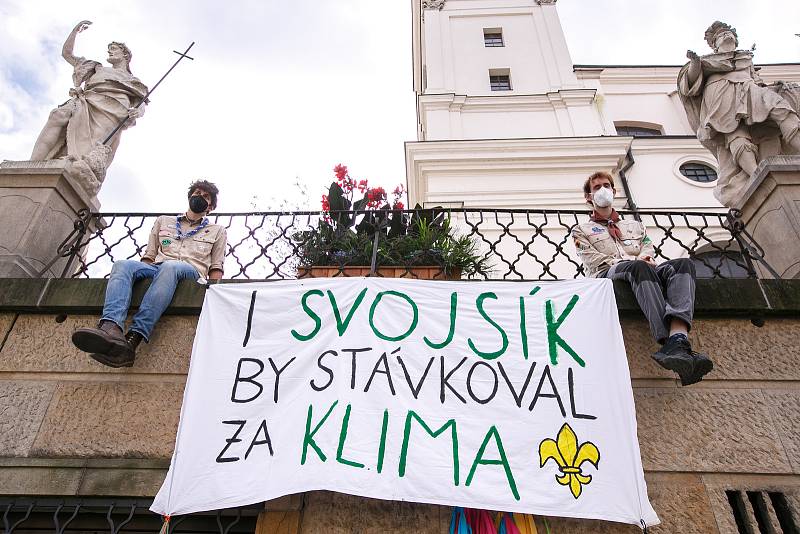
column 198, row 204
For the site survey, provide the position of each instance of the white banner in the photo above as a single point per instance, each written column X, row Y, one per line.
column 509, row 396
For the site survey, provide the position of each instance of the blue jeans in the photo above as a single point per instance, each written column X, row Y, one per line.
column 165, row 277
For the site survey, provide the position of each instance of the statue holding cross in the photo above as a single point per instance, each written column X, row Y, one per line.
column 103, row 101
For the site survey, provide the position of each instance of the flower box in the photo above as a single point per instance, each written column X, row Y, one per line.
column 420, row 273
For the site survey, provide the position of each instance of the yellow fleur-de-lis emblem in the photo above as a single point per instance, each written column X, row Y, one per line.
column 569, row 457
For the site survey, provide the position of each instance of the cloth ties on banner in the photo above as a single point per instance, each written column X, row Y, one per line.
column 505, row 523
column 481, row 521
column 458, row 522
column 471, row 521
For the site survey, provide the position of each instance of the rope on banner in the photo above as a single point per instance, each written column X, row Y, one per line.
column 165, row 526
column 644, row 526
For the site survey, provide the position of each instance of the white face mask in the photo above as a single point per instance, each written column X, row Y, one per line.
column 603, row 197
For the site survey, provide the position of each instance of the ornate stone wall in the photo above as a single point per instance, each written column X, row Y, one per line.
column 69, row 426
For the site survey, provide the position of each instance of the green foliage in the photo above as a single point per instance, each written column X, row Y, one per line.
column 423, row 237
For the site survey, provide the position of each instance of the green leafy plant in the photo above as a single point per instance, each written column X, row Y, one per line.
column 351, row 231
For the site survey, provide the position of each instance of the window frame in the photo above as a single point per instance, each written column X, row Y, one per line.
column 653, row 126
column 487, row 32
column 698, row 166
column 695, row 158
column 500, row 73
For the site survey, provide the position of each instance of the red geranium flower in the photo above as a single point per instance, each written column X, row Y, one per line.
column 341, row 171
column 398, row 206
column 376, row 193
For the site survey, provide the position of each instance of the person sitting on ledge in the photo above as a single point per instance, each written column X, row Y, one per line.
column 182, row 247
column 619, row 249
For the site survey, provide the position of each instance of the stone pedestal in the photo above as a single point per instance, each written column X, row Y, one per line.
column 770, row 208
column 38, row 207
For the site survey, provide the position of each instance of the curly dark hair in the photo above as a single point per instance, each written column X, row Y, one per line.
column 208, row 187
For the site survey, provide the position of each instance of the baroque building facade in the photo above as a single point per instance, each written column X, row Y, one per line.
column 506, row 120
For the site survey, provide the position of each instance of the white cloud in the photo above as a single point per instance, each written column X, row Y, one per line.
column 285, row 90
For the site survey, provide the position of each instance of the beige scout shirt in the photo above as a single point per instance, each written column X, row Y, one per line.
column 598, row 250
column 204, row 251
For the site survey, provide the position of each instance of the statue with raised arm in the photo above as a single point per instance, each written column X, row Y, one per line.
column 101, row 98
column 735, row 115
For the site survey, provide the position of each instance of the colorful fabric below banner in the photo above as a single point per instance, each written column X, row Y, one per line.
column 511, row 396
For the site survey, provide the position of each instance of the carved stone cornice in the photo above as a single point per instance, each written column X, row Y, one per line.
column 433, row 4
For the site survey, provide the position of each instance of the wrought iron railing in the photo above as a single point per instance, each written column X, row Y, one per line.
column 514, row 244
column 26, row 515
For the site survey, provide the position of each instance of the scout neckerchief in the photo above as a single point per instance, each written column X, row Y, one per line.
column 180, row 235
column 611, row 222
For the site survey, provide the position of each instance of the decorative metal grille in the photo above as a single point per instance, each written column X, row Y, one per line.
column 22, row 515
column 761, row 512
column 516, row 244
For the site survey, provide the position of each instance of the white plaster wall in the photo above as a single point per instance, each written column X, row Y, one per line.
column 516, row 173
column 472, row 60
column 646, row 107
column 566, row 113
column 655, row 179
column 535, row 50
column 507, row 125
column 456, row 62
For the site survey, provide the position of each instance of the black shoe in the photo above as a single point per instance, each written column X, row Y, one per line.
column 702, row 366
column 677, row 355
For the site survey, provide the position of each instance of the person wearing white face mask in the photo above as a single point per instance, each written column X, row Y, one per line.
column 619, row 249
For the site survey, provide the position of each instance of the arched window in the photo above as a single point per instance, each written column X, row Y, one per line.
column 720, row 263
column 638, row 129
column 698, row 172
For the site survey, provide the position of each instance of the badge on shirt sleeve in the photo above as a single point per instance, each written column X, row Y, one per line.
column 166, row 242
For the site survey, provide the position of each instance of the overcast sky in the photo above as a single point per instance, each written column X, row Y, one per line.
column 281, row 91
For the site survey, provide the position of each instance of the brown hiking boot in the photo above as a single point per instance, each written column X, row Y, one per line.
column 106, row 344
column 133, row 338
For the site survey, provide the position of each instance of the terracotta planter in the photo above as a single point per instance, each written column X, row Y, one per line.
column 421, row 273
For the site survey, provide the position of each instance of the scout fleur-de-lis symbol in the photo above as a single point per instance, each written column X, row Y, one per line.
column 569, row 457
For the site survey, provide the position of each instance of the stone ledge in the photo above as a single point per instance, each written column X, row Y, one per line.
column 742, row 297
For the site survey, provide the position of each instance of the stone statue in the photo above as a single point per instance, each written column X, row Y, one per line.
column 735, row 115
column 100, row 99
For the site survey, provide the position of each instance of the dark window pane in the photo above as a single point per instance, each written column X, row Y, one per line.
column 720, row 264
column 637, row 131
column 698, row 172
column 500, row 83
column 493, row 39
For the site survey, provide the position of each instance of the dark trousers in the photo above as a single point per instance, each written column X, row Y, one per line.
column 663, row 292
